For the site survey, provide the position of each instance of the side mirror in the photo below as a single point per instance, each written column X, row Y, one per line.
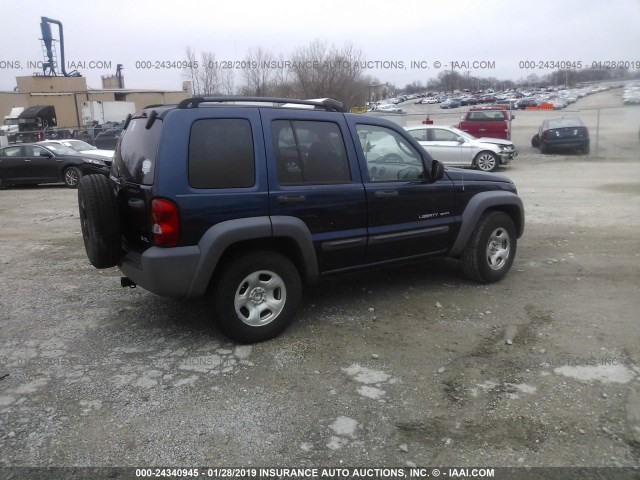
column 436, row 172
column 512, row 116
column 47, row 155
column 460, row 140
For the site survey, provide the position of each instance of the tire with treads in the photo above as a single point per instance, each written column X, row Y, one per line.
column 491, row 249
column 255, row 295
column 99, row 221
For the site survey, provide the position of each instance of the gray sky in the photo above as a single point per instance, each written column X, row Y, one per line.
column 500, row 31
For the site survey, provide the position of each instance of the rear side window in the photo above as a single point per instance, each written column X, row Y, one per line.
column 10, row 152
column 221, row 154
column 310, row 153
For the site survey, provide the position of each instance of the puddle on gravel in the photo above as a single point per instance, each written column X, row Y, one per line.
column 602, row 373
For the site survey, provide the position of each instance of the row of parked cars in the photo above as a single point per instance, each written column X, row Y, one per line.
column 558, row 98
column 631, row 94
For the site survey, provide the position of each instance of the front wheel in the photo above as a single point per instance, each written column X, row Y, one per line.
column 256, row 296
column 486, row 161
column 491, row 249
column 71, row 177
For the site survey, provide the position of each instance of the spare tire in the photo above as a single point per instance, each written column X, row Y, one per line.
column 99, row 221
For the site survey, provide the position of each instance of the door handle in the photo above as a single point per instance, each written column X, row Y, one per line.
column 27, row 160
column 386, row 193
column 291, row 199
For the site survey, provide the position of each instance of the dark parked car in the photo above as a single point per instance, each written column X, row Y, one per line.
column 565, row 133
column 526, row 102
column 450, row 104
column 45, row 163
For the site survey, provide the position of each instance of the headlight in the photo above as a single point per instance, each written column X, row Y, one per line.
column 94, row 162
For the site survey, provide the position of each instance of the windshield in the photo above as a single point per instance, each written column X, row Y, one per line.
column 466, row 135
column 60, row 149
column 78, row 145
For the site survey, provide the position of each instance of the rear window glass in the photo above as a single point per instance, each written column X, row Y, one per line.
column 221, row 154
column 136, row 157
column 565, row 122
column 489, row 116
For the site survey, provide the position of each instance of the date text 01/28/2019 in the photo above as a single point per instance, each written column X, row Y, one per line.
column 578, row 64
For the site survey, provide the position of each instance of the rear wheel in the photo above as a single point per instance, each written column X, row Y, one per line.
column 535, row 141
column 491, row 249
column 71, row 177
column 99, row 221
column 586, row 149
column 256, row 296
column 486, row 161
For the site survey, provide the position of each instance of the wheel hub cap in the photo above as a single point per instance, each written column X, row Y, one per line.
column 261, row 296
column 258, row 295
column 498, row 249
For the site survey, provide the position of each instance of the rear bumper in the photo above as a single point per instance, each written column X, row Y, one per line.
column 168, row 272
column 568, row 143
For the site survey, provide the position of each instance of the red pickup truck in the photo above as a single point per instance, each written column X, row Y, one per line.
column 492, row 122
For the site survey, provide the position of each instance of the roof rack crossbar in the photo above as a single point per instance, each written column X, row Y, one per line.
column 328, row 104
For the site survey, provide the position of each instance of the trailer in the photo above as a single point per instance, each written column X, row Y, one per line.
column 95, row 112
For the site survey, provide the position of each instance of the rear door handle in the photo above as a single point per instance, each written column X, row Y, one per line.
column 386, row 193
column 291, row 199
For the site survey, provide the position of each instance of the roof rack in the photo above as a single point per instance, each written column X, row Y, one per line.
column 328, row 104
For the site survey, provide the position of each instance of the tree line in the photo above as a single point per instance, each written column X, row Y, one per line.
column 321, row 70
column 317, row 70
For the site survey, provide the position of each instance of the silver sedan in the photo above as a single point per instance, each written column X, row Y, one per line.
column 454, row 147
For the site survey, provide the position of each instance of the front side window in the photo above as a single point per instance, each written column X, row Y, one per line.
column 442, row 135
column 390, row 157
column 309, row 153
column 37, row 152
column 419, row 134
column 221, row 154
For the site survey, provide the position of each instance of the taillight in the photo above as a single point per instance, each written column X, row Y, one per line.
column 165, row 223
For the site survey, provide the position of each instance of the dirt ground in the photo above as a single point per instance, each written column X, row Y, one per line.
column 412, row 366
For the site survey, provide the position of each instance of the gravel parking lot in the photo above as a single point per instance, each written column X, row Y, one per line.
column 413, row 366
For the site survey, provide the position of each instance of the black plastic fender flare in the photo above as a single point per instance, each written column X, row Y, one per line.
column 478, row 205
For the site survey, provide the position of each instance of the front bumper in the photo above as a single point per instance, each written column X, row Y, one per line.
column 90, row 169
column 507, row 155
